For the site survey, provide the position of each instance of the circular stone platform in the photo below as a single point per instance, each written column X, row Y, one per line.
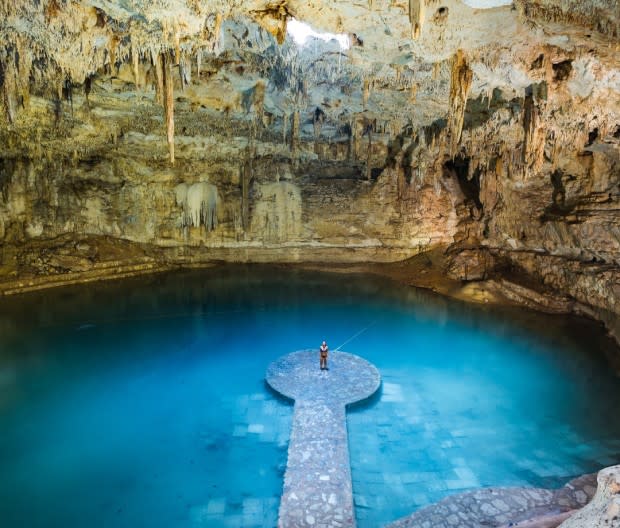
column 349, row 378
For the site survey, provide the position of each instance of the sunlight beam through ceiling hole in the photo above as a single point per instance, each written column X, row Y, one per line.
column 486, row 4
column 301, row 32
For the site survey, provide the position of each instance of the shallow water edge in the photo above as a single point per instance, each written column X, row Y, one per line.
column 425, row 270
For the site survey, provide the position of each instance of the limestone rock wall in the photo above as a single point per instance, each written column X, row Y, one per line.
column 604, row 509
column 196, row 131
column 205, row 203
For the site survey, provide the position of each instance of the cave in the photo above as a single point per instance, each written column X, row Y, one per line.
column 562, row 70
column 458, row 168
column 196, row 194
column 592, row 136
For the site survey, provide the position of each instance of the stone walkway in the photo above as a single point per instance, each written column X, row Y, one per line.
column 317, row 483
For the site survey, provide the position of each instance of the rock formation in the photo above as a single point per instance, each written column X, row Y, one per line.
column 140, row 135
column 604, row 509
column 505, row 507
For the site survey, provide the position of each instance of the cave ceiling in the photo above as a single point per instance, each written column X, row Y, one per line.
column 72, row 70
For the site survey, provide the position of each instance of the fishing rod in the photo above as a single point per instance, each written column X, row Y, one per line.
column 356, row 335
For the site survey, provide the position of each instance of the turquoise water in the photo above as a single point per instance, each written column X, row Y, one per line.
column 142, row 402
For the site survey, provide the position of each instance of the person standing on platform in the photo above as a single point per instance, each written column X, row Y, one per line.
column 323, row 352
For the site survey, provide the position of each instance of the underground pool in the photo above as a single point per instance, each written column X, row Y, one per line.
column 143, row 402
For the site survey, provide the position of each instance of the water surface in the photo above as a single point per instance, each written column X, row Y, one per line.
column 142, row 402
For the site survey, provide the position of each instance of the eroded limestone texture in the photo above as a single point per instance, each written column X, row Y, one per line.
column 604, row 510
column 183, row 131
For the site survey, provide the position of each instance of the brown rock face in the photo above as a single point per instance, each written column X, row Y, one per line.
column 180, row 131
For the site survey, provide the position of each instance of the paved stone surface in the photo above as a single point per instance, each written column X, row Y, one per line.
column 317, row 483
column 501, row 506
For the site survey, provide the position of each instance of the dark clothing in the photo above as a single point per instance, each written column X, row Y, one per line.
column 323, row 351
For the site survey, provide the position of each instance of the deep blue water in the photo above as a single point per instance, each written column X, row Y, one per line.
column 142, row 402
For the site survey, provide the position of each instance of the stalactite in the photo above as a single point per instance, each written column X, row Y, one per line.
column 168, row 103
column 352, row 154
column 460, row 84
column 199, row 202
column 533, row 126
column 284, row 127
column 574, row 13
column 7, row 82
column 281, row 31
column 413, row 93
column 159, row 76
column 112, row 51
column 295, row 132
column 416, row 17
column 216, row 34
column 366, row 92
column 22, row 73
column 177, row 43
column 258, row 101
column 135, row 61
column 185, row 71
column 369, row 155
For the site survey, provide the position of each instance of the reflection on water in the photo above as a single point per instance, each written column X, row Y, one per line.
column 144, row 399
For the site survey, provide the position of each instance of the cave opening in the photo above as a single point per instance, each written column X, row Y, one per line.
column 562, row 70
column 469, row 184
column 301, row 32
column 441, row 15
column 592, row 136
column 538, row 62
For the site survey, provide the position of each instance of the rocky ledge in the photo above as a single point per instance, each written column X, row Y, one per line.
column 590, row 501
